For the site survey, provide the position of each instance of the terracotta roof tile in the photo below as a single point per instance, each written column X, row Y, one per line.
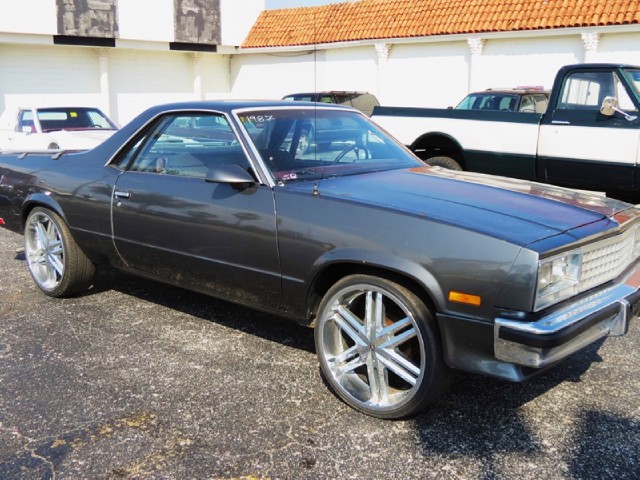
column 380, row 19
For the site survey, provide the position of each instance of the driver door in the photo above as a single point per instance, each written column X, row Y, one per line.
column 170, row 223
column 580, row 147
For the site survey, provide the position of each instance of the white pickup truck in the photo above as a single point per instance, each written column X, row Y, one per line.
column 54, row 128
column 588, row 138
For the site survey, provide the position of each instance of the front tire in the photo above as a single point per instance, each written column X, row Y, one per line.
column 378, row 347
column 56, row 263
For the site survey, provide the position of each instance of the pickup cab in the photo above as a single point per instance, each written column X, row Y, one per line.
column 54, row 128
column 588, row 137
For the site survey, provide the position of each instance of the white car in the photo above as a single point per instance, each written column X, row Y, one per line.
column 56, row 128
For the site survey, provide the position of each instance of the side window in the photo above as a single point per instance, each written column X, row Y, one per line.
column 586, row 90
column 541, row 102
column 97, row 120
column 185, row 145
column 527, row 104
column 507, row 104
column 624, row 100
column 25, row 122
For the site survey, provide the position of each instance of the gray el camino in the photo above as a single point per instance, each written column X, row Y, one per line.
column 404, row 270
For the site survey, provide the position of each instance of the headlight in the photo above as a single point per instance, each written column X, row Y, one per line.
column 558, row 278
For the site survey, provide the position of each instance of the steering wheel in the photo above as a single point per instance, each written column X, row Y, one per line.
column 357, row 149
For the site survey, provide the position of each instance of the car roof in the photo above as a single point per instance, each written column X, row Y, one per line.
column 228, row 106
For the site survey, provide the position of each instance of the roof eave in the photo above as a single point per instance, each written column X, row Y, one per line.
column 537, row 33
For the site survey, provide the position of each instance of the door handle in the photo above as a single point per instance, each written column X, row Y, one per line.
column 118, row 194
column 560, row 122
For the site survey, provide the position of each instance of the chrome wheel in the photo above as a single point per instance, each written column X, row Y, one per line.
column 375, row 347
column 44, row 251
column 56, row 262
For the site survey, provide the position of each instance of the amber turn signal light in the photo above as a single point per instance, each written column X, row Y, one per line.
column 460, row 297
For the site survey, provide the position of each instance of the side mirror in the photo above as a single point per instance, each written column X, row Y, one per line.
column 610, row 106
column 230, row 173
column 26, row 129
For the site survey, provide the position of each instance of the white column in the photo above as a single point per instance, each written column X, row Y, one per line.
column 198, row 91
column 476, row 47
column 105, row 84
column 382, row 56
column 590, row 43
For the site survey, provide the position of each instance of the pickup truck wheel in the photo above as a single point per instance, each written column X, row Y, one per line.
column 444, row 162
column 57, row 264
column 378, row 347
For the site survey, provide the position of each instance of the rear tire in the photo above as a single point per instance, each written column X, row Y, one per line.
column 56, row 263
column 444, row 162
column 379, row 347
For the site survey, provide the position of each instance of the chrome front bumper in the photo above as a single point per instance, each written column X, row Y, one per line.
column 559, row 334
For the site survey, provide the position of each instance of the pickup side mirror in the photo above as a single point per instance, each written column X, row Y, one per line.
column 230, row 173
column 610, row 106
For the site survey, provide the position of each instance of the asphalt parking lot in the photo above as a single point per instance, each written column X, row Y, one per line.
column 139, row 380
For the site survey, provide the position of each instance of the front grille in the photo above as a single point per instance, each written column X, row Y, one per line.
column 605, row 260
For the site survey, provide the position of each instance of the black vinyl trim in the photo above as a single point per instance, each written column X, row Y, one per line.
column 481, row 115
column 192, row 47
column 83, row 41
column 500, row 163
column 588, row 174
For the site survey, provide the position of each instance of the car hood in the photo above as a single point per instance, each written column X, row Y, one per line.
column 517, row 211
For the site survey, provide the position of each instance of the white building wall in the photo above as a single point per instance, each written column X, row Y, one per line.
column 236, row 19
column 48, row 76
column 533, row 61
column 216, row 72
column 140, row 79
column 426, row 75
column 622, row 47
column 20, row 17
column 260, row 76
column 55, row 75
column 148, row 20
column 349, row 69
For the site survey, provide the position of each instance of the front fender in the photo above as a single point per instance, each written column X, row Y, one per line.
column 375, row 259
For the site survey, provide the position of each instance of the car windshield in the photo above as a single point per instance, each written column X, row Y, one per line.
column 52, row 119
column 302, row 144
